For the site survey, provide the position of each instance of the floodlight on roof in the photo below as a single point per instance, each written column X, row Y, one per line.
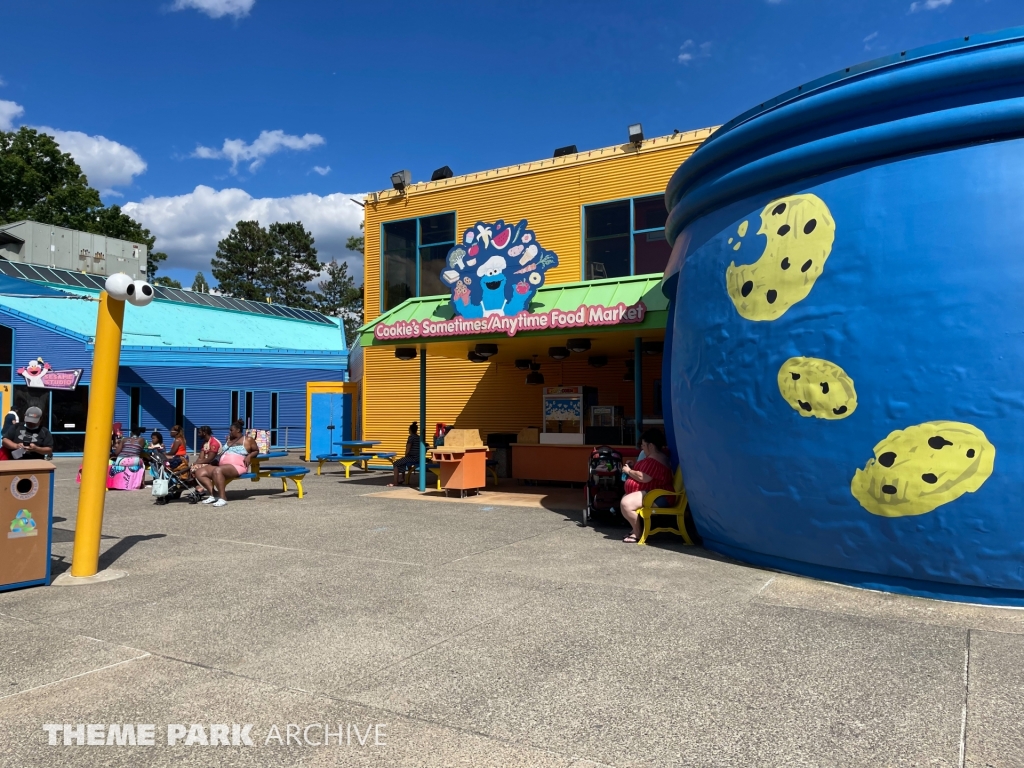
column 569, row 149
column 444, row 172
column 401, row 179
column 636, row 134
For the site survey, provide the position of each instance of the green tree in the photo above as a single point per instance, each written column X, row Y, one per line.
column 339, row 297
column 294, row 265
column 243, row 264
column 199, row 284
column 167, row 282
column 41, row 183
column 356, row 243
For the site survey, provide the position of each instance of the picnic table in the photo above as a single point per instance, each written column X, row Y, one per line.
column 258, row 470
column 353, row 453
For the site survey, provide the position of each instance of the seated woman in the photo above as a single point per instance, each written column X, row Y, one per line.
column 411, row 457
column 125, row 473
column 178, row 452
column 233, row 461
column 653, row 472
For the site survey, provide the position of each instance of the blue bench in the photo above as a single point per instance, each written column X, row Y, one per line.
column 347, row 460
column 283, row 473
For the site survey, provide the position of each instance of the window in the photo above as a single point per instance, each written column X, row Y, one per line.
column 248, row 410
column 6, row 354
column 234, row 407
column 179, row 407
column 134, row 408
column 657, row 398
column 413, row 253
column 626, row 237
column 68, row 409
column 273, row 419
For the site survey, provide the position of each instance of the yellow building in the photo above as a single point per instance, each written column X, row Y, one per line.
column 601, row 212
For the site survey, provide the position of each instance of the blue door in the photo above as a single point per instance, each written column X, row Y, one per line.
column 330, row 421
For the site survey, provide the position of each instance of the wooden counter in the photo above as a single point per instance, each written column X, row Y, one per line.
column 563, row 463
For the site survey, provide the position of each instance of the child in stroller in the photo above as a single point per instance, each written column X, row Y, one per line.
column 178, row 474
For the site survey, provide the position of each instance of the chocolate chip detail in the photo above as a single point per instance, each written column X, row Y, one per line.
column 887, row 459
column 785, row 263
column 806, row 266
column 796, row 377
column 938, row 442
column 771, row 296
column 890, row 489
column 840, row 410
column 929, row 478
column 824, row 387
column 805, row 406
column 784, row 230
column 970, row 453
column 747, row 288
column 809, row 226
column 778, row 209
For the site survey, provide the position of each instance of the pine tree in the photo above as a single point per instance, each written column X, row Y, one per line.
column 339, row 297
column 243, row 264
column 199, row 284
column 295, row 264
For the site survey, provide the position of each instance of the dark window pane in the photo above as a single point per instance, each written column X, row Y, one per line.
column 6, row 371
column 432, row 261
column 68, row 443
column 134, row 407
column 608, row 257
column 651, row 252
column 6, row 348
column 70, row 409
column 179, row 408
column 399, row 262
column 608, row 219
column 649, row 213
column 657, row 397
column 437, row 229
column 25, row 398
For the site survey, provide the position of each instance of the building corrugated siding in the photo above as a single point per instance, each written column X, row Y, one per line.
column 477, row 395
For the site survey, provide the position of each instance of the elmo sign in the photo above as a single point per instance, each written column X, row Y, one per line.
column 40, row 375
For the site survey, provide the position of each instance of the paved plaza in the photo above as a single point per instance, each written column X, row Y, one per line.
column 477, row 634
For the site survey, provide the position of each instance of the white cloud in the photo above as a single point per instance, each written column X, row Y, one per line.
column 2, row 82
column 870, row 37
column 8, row 112
column 689, row 51
column 323, row 170
column 105, row 163
column 217, row 8
column 266, row 144
column 928, row 5
column 188, row 227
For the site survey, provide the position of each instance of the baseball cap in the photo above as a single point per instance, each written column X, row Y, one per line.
column 33, row 415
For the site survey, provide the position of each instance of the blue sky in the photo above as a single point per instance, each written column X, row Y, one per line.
column 194, row 113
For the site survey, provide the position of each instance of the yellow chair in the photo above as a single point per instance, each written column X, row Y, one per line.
column 679, row 510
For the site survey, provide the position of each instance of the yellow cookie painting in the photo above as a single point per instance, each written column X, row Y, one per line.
column 923, row 467
column 818, row 388
column 800, row 232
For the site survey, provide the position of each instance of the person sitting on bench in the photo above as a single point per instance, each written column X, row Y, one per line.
column 411, row 457
column 233, row 462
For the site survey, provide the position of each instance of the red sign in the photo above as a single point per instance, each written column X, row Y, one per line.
column 586, row 316
column 39, row 375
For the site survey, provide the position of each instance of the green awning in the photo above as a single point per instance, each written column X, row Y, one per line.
column 640, row 290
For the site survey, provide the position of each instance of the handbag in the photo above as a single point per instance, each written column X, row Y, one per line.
column 160, row 485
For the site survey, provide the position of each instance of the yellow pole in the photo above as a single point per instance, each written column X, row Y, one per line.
column 106, row 360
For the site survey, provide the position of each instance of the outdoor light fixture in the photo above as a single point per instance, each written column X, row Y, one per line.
column 401, row 179
column 405, row 353
column 444, row 172
column 486, row 350
column 578, row 345
column 476, row 357
column 558, row 353
column 569, row 149
column 652, row 347
column 535, row 377
column 636, row 135
column 523, row 364
column 597, row 361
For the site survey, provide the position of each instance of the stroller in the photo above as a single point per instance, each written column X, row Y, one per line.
column 179, row 478
column 604, row 484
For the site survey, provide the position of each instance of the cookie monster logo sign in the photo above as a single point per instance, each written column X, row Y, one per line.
column 496, row 270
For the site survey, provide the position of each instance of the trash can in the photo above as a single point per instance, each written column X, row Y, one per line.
column 26, row 523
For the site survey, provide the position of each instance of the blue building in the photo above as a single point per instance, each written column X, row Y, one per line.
column 187, row 358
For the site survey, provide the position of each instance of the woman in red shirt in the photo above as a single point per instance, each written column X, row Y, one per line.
column 652, row 472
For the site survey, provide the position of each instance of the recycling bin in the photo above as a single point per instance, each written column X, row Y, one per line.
column 26, row 523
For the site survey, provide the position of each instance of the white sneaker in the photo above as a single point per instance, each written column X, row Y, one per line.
column 220, row 503
column 209, row 500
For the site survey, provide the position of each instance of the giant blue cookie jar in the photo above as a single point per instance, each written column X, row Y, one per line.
column 846, row 344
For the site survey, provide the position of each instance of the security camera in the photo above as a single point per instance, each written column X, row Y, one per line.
column 117, row 286
column 140, row 293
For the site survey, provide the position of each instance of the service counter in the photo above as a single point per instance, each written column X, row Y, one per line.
column 557, row 463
